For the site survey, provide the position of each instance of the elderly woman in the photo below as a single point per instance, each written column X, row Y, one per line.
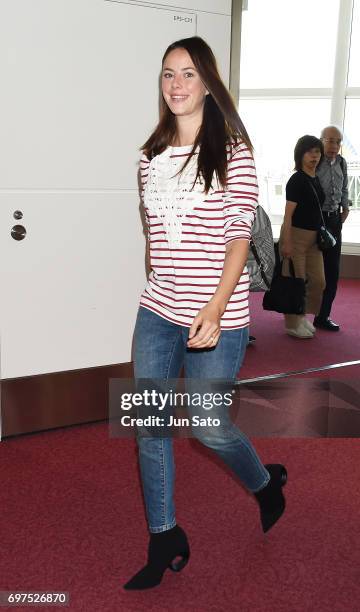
column 302, row 220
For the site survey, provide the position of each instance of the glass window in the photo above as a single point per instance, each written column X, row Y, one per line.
column 354, row 71
column 274, row 126
column 288, row 44
column 288, row 53
column 351, row 152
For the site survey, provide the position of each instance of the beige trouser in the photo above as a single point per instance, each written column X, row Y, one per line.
column 308, row 264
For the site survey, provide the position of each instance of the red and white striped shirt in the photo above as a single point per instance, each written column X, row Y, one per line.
column 184, row 277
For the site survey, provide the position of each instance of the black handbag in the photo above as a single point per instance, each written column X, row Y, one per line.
column 325, row 240
column 286, row 293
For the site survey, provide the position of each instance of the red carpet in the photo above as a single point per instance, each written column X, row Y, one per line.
column 72, row 519
column 276, row 352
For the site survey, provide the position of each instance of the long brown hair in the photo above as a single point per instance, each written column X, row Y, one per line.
column 221, row 123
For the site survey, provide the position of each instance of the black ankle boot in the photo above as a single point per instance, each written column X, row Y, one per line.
column 271, row 499
column 164, row 547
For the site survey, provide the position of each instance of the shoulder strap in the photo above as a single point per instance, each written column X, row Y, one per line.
column 259, row 263
column 318, row 201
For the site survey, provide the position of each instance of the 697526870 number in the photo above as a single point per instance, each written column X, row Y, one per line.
column 33, row 598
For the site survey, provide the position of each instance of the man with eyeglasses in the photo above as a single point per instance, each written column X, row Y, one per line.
column 332, row 173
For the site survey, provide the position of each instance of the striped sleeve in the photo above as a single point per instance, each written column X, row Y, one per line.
column 240, row 198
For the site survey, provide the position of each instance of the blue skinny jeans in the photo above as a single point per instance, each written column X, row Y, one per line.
column 160, row 351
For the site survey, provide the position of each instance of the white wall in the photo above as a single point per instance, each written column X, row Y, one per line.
column 79, row 97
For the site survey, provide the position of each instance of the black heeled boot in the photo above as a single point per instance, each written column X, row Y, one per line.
column 164, row 548
column 271, row 498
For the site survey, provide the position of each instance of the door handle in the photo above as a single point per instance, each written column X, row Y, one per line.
column 18, row 232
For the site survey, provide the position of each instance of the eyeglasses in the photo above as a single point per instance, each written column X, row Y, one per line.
column 336, row 141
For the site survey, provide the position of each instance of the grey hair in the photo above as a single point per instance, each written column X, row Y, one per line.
column 331, row 127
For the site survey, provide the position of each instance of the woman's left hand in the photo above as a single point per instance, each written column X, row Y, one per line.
column 205, row 329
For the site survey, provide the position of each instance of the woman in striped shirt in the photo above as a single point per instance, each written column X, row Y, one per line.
column 199, row 191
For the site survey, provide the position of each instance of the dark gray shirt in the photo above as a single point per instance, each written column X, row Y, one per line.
column 334, row 181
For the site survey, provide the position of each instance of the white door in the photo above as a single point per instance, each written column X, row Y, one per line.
column 78, row 80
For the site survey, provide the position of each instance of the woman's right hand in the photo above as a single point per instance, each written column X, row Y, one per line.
column 286, row 248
